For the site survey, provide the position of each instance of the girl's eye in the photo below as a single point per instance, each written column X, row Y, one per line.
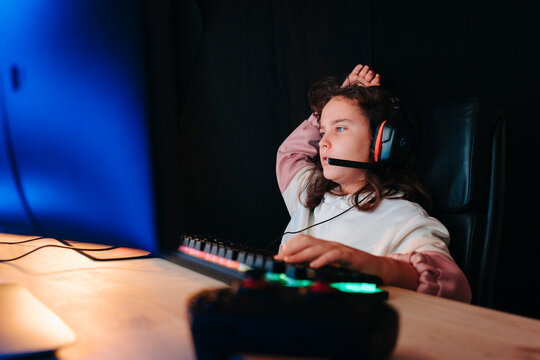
column 340, row 129
column 322, row 134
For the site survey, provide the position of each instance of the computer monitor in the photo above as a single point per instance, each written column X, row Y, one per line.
column 87, row 101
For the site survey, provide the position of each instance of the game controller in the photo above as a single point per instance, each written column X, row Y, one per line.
column 258, row 315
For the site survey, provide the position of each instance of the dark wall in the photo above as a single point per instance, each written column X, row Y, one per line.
column 244, row 68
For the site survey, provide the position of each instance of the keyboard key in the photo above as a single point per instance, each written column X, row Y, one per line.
column 299, row 272
column 259, row 262
column 231, row 254
column 250, row 259
column 274, row 266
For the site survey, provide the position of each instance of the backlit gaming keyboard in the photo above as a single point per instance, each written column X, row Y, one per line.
column 229, row 262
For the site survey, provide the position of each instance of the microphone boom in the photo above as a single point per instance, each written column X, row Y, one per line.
column 350, row 164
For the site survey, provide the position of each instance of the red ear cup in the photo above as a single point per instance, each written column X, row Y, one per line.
column 378, row 142
column 392, row 139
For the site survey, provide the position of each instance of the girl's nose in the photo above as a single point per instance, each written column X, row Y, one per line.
column 323, row 143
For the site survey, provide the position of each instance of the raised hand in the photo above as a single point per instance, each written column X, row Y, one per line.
column 362, row 76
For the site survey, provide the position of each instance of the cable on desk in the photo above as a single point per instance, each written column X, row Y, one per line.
column 64, row 242
column 80, row 251
column 21, row 242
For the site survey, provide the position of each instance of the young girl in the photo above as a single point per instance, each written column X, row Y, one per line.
column 372, row 221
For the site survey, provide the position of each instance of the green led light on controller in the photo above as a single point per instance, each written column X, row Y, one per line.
column 365, row 288
column 273, row 277
column 349, row 287
column 284, row 280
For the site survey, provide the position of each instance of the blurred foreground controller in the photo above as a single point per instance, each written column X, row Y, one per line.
column 259, row 317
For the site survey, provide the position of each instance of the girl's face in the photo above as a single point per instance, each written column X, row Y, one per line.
column 345, row 135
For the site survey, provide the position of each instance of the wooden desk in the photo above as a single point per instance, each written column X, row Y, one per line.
column 136, row 309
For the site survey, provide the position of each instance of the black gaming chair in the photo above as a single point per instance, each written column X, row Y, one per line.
column 461, row 159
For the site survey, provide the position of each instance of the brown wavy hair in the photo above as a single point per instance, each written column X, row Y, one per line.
column 390, row 182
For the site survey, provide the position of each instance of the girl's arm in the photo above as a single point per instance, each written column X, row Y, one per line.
column 427, row 272
column 297, row 151
column 305, row 248
column 438, row 275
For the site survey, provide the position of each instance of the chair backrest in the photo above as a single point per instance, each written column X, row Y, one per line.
column 461, row 159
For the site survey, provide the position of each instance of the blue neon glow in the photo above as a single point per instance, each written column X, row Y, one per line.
column 79, row 118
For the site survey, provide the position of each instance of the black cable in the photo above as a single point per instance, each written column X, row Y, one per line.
column 310, row 226
column 22, row 242
column 80, row 251
column 61, row 241
column 51, row 245
column 148, row 256
column 64, row 242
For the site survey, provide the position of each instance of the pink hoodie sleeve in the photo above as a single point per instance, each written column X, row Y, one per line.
column 296, row 151
column 438, row 275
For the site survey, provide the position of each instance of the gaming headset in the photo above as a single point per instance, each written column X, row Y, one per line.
column 392, row 142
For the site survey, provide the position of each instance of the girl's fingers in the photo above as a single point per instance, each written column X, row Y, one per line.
column 295, row 244
column 352, row 77
column 363, row 76
column 306, row 254
column 330, row 257
column 357, row 69
column 363, row 72
column 369, row 76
